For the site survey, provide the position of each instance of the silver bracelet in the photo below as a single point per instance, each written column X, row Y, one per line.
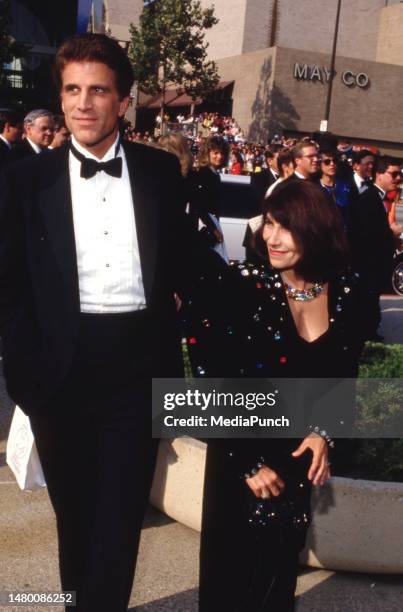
column 323, row 434
column 254, row 470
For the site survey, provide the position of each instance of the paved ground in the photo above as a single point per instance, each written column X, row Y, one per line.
column 392, row 320
column 167, row 568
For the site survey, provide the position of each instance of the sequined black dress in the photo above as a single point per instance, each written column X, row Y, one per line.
column 239, row 324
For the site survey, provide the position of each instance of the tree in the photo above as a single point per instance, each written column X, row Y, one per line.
column 9, row 48
column 168, row 47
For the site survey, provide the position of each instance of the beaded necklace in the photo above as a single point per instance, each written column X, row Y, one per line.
column 303, row 295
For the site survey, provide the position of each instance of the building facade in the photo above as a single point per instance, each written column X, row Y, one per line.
column 278, row 54
column 275, row 52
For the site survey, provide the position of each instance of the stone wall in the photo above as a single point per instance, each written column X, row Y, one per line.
column 269, row 99
column 119, row 15
column 226, row 38
column 245, row 26
column 390, row 40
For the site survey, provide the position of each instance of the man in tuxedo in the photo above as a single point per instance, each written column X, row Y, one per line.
column 261, row 181
column 372, row 240
column 363, row 166
column 38, row 129
column 91, row 256
column 306, row 161
column 10, row 133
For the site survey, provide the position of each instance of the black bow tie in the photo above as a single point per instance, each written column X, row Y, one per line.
column 89, row 166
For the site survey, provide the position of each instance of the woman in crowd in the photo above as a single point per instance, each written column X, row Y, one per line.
column 236, row 162
column 206, row 188
column 294, row 316
column 202, row 186
column 176, row 144
column 336, row 187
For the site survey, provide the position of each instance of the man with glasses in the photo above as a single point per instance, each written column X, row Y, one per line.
column 39, row 129
column 372, row 240
column 306, row 160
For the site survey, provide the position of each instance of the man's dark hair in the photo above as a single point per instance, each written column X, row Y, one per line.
column 315, row 224
column 325, row 140
column 270, row 152
column 95, row 48
column 330, row 151
column 9, row 116
column 358, row 156
column 383, row 162
column 285, row 157
column 59, row 122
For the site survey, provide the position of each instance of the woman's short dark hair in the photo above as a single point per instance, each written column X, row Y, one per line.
column 213, row 143
column 316, row 225
column 95, row 48
column 238, row 156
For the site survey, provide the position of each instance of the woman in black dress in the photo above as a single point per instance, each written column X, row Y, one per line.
column 206, row 186
column 295, row 316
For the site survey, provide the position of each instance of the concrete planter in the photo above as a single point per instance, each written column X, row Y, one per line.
column 357, row 524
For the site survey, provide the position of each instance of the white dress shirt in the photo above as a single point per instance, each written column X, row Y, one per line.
column 108, row 258
column 360, row 182
column 34, row 146
column 4, row 139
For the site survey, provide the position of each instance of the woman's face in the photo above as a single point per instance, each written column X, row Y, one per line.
column 216, row 158
column 283, row 251
column 328, row 165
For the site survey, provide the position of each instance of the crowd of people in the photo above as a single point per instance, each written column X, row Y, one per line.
column 107, row 248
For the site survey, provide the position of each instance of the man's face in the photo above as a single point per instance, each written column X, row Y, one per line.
column 366, row 167
column 92, row 105
column 308, row 163
column 13, row 132
column 272, row 162
column 389, row 180
column 41, row 131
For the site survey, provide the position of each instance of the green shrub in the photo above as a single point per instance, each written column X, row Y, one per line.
column 377, row 458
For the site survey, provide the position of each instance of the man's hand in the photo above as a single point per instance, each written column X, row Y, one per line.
column 266, row 483
column 396, row 228
column 319, row 470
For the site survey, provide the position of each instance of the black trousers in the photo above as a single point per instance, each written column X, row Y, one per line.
column 94, row 442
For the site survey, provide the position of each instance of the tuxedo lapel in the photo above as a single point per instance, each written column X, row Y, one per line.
column 146, row 192
column 56, row 207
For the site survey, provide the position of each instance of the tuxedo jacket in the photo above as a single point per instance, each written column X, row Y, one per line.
column 261, row 181
column 39, row 290
column 22, row 150
column 5, row 153
column 372, row 241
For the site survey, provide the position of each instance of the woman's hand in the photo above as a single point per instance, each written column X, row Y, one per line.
column 265, row 483
column 319, row 470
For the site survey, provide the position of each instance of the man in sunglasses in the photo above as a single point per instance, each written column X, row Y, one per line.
column 372, row 240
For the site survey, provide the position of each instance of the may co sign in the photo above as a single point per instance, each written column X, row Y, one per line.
column 306, row 72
